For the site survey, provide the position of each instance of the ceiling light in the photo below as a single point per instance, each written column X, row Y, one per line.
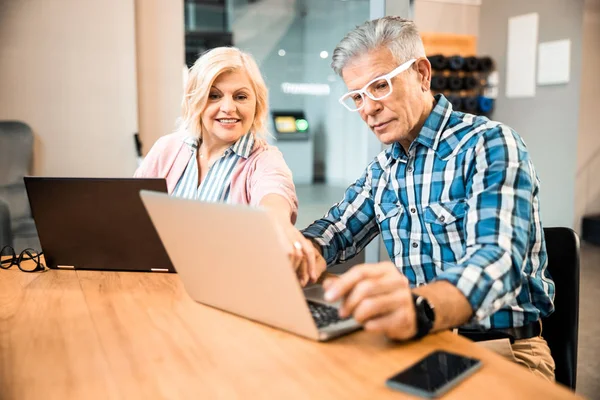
column 313, row 89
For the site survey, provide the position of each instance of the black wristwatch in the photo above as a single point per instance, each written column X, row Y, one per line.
column 425, row 316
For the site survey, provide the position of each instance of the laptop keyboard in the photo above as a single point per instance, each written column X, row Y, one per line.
column 324, row 315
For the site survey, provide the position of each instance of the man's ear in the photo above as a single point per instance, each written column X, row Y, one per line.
column 423, row 67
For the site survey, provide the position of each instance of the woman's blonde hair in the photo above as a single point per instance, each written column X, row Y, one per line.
column 203, row 74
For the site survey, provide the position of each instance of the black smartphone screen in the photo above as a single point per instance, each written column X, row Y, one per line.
column 434, row 373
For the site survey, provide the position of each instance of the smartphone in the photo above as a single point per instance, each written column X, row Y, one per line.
column 434, row 375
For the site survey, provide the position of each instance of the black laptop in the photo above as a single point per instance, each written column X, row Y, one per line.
column 96, row 223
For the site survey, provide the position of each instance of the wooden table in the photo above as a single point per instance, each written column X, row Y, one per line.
column 104, row 335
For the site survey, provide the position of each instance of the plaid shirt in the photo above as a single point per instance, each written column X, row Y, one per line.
column 462, row 206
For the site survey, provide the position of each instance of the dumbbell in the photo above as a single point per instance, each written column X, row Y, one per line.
column 485, row 104
column 455, row 63
column 438, row 62
column 439, row 82
column 485, row 64
column 469, row 82
column 469, row 104
column 455, row 83
column 455, row 101
column 471, row 64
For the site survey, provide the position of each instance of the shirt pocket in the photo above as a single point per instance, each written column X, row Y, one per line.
column 385, row 211
column 445, row 220
column 388, row 216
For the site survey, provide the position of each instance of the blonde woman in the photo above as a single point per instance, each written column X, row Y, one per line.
column 219, row 152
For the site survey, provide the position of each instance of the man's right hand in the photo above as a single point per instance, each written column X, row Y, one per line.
column 313, row 264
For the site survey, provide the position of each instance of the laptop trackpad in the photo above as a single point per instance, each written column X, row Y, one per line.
column 315, row 293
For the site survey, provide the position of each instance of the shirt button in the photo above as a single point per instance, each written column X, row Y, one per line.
column 413, row 210
column 410, row 169
column 378, row 215
column 415, row 245
column 442, row 218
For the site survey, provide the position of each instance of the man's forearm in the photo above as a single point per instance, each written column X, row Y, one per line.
column 451, row 307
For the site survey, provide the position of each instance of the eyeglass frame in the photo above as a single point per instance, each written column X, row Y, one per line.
column 17, row 259
column 388, row 77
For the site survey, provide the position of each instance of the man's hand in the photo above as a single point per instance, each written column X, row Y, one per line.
column 378, row 296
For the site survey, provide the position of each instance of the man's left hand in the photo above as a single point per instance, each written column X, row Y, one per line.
column 378, row 296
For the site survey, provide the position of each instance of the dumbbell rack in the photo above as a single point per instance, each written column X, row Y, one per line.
column 463, row 80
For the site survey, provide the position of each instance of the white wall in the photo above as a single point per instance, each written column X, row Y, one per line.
column 444, row 17
column 556, row 172
column 587, row 183
column 68, row 70
column 548, row 122
column 160, row 62
column 402, row 8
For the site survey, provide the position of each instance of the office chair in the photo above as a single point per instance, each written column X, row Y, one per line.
column 17, row 227
column 561, row 328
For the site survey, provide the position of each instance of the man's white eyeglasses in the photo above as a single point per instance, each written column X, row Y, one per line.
column 377, row 89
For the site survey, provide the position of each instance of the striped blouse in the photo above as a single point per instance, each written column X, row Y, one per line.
column 216, row 185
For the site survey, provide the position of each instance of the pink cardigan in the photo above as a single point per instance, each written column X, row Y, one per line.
column 262, row 173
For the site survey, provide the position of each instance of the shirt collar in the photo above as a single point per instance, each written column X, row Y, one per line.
column 394, row 152
column 435, row 124
column 431, row 134
column 243, row 147
column 192, row 141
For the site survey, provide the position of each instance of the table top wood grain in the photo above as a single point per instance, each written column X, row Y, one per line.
column 131, row 335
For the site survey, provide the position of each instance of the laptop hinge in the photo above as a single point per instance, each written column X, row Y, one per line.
column 65, row 266
column 159, row 270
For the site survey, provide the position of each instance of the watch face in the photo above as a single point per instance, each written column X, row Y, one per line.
column 428, row 310
column 425, row 316
column 422, row 303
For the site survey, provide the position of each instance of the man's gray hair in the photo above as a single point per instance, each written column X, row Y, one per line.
column 399, row 35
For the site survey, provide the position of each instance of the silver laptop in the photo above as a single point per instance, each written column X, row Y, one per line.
column 230, row 257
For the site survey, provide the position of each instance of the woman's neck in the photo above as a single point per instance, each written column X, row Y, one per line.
column 210, row 148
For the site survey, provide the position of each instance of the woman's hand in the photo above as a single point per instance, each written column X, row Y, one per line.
column 305, row 257
column 300, row 252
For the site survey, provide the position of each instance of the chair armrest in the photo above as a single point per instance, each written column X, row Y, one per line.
column 5, row 225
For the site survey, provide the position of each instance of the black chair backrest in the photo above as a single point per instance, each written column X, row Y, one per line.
column 561, row 328
column 16, row 151
column 16, row 155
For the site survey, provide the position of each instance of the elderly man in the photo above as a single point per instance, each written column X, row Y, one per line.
column 456, row 200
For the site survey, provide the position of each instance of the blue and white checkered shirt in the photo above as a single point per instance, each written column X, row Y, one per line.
column 461, row 206
column 215, row 186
